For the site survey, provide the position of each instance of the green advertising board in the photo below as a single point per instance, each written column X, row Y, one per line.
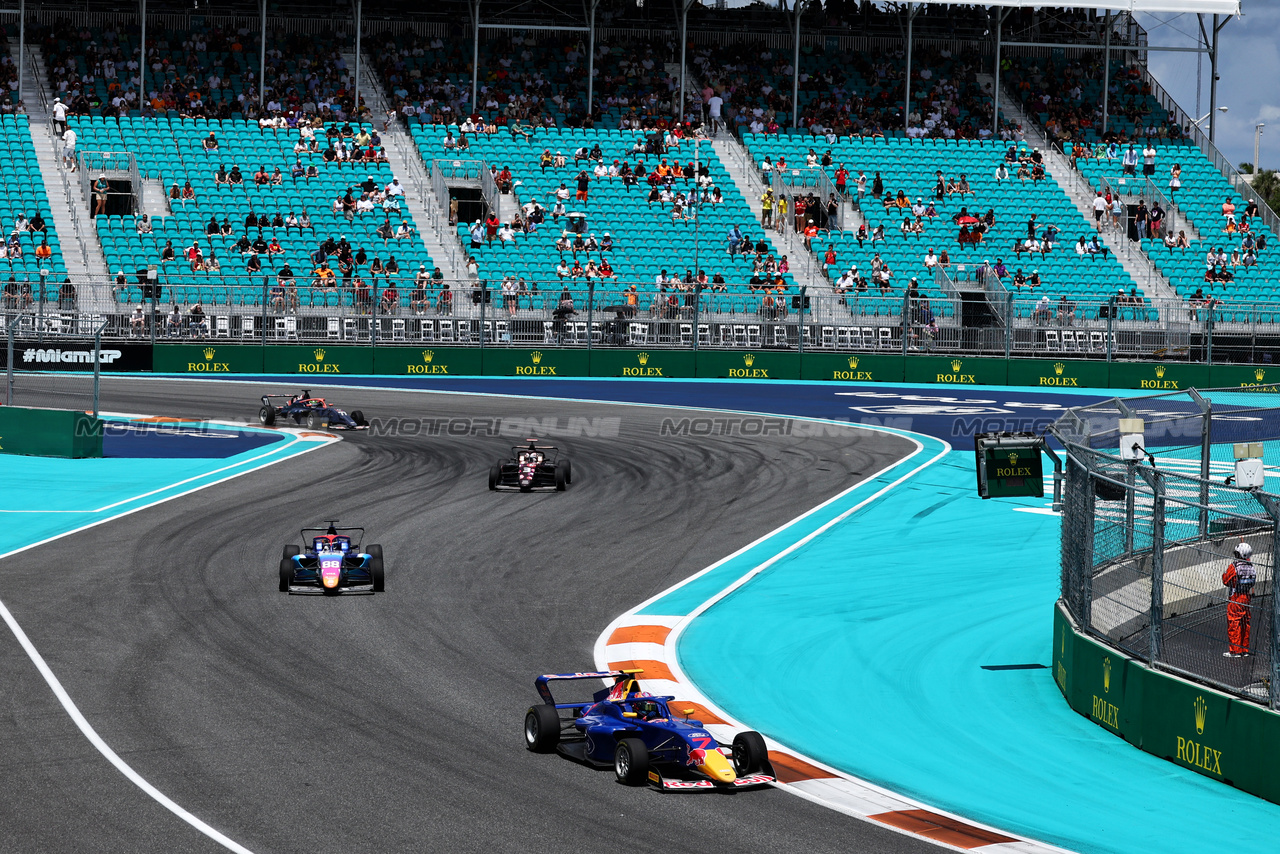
column 1260, row 378
column 535, row 362
column 649, row 364
column 852, row 367
column 319, row 360
column 956, row 370
column 1058, row 373
column 753, row 365
column 64, row 433
column 427, row 361
column 1158, row 376
column 1219, row 736
column 209, row 358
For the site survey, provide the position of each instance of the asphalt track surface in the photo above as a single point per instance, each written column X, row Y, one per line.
column 388, row 722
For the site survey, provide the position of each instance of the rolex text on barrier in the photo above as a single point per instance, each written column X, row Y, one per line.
column 1009, row 465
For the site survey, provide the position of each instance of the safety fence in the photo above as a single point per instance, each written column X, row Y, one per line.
column 959, row 312
column 1148, row 534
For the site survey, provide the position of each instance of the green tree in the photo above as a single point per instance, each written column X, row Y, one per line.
column 1267, row 185
column 1245, row 168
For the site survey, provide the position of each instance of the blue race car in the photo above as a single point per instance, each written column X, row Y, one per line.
column 331, row 563
column 642, row 739
column 315, row 412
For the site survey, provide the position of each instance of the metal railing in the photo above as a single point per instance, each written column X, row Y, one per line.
column 981, row 318
column 1149, row 529
column 1215, row 155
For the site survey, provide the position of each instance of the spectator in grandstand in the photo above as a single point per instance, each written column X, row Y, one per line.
column 144, row 225
column 390, row 299
column 69, row 150
column 1130, row 162
column 44, row 251
column 167, row 253
column 197, row 323
column 211, row 142
column 174, row 325
column 234, row 177
column 59, row 116
column 101, row 188
column 137, row 320
column 67, row 295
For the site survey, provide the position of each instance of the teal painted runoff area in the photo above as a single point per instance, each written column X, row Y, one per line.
column 865, row 649
column 686, row 598
column 42, row 497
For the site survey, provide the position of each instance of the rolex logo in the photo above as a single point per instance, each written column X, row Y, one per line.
column 319, row 351
column 1106, row 674
column 428, row 355
column 1160, row 370
column 643, row 358
column 1013, row 458
column 536, row 356
column 208, row 353
column 853, row 361
column 1201, row 708
column 749, row 360
column 1259, row 374
column 1058, row 368
column 955, row 365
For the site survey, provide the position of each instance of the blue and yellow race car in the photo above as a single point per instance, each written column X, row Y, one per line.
column 332, row 562
column 639, row 735
column 315, row 412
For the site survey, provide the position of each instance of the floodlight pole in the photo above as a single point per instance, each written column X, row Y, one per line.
column 684, row 42
column 795, row 67
column 1213, row 81
column 1106, row 71
column 142, row 54
column 22, row 47
column 906, row 113
column 995, row 95
column 475, row 51
column 359, row 27
column 591, row 58
column 262, row 56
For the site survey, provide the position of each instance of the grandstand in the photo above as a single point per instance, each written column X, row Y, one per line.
column 549, row 89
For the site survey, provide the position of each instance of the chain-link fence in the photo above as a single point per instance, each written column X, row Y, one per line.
column 53, row 371
column 948, row 319
column 1147, row 542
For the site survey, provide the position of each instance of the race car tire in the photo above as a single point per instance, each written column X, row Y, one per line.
column 316, row 421
column 376, row 570
column 291, row 551
column 495, row 473
column 541, row 729
column 631, row 762
column 749, row 753
column 267, row 415
column 562, row 478
column 286, row 575
column 568, row 471
column 358, row 417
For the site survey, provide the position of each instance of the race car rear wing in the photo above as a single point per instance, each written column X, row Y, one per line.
column 543, row 684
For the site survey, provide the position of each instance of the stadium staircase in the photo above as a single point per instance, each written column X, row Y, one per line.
column 1131, row 256
column 737, row 162
column 429, row 213
column 81, row 252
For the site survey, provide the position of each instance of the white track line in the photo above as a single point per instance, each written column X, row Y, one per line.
column 65, row 699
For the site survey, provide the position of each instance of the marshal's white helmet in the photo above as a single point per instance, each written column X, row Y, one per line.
column 1244, row 551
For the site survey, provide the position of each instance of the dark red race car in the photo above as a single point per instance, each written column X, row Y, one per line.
column 531, row 467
